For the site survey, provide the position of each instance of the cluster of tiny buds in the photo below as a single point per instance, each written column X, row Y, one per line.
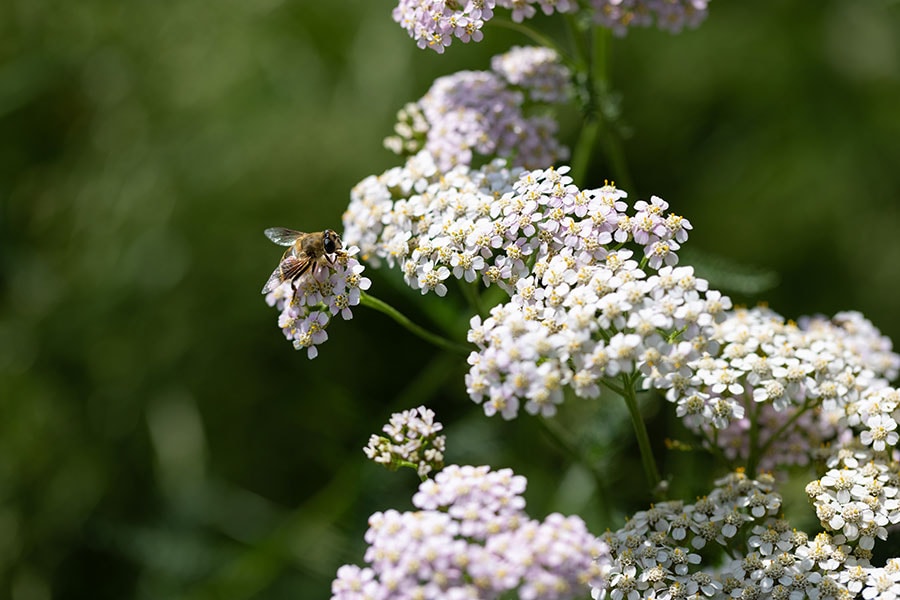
column 435, row 23
column 489, row 113
column 471, row 540
column 308, row 303
column 412, row 440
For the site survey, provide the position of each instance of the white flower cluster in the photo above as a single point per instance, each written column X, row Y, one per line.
column 859, row 496
column 308, row 304
column 857, row 501
column 655, row 554
column 795, row 380
column 490, row 113
column 429, row 223
column 582, row 322
column 582, row 307
column 472, row 540
column 412, row 439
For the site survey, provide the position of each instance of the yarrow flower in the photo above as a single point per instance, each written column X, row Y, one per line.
column 805, row 374
column 308, row 304
column 471, row 539
column 656, row 554
column 857, row 500
column 859, row 496
column 490, row 113
column 593, row 294
column 435, row 23
column 668, row 15
column 412, row 440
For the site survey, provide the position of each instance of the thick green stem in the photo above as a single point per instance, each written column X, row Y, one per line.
column 616, row 153
column 383, row 307
column 640, row 431
column 599, row 111
column 584, row 147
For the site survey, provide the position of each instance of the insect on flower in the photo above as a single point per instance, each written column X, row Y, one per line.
column 306, row 253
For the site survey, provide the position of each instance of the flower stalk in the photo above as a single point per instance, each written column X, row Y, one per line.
column 640, row 432
column 402, row 320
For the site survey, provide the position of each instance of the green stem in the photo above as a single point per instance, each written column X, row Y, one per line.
column 584, row 147
column 594, row 52
column 578, row 42
column 712, row 446
column 383, row 307
column 753, row 458
column 600, row 66
column 616, row 152
column 640, row 430
column 536, row 36
column 608, row 384
column 564, row 440
column 600, row 59
column 754, row 461
column 470, row 291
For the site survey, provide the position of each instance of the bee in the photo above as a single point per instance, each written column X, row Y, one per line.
column 306, row 253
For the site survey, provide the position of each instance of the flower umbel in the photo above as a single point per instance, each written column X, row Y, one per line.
column 471, row 539
column 489, row 113
column 435, row 23
column 592, row 296
column 657, row 553
column 308, row 303
column 412, row 440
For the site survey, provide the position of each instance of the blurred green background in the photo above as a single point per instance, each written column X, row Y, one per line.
column 158, row 436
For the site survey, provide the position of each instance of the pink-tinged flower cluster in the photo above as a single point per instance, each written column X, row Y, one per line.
column 489, row 113
column 796, row 381
column 412, row 440
column 308, row 304
column 668, row 15
column 472, row 540
column 656, row 553
column 434, row 23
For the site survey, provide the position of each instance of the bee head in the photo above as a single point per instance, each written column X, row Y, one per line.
column 331, row 241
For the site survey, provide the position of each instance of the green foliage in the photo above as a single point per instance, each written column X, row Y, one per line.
column 158, row 437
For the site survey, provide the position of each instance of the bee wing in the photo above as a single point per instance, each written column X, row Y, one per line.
column 290, row 268
column 273, row 282
column 282, row 235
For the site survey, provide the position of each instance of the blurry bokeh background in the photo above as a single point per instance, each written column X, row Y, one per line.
column 158, row 436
